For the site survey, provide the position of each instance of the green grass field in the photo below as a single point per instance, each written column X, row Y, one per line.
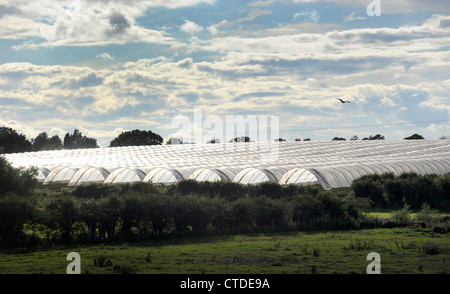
column 402, row 251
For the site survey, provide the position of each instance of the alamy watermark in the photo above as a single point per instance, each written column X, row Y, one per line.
column 263, row 130
column 375, row 266
column 74, row 267
column 374, row 8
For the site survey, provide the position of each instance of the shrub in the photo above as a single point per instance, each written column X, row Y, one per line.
column 102, row 261
column 370, row 186
column 427, row 215
column 15, row 211
column 431, row 248
column 402, row 215
column 62, row 214
column 124, row 269
column 16, row 180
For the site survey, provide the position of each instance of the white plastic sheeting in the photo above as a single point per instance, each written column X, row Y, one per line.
column 42, row 173
column 60, row 175
column 167, row 175
column 89, row 175
column 212, row 175
column 126, row 175
column 298, row 176
column 332, row 164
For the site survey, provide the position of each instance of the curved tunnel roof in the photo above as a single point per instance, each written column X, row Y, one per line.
column 332, row 164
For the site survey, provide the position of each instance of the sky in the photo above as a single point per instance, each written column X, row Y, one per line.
column 105, row 67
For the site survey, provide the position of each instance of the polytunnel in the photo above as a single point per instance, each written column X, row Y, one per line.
column 252, row 175
column 167, row 176
column 212, row 175
column 89, row 175
column 329, row 163
column 60, row 175
column 126, row 175
column 41, row 173
column 298, row 176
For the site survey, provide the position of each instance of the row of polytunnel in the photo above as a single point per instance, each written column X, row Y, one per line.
column 331, row 164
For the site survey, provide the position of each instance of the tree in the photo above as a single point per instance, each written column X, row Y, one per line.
column 78, row 141
column 16, row 180
column 173, row 141
column 376, row 137
column 240, row 139
column 213, row 141
column 354, row 138
column 338, row 139
column 414, row 137
column 43, row 142
column 136, row 138
column 280, row 140
column 12, row 142
column 63, row 214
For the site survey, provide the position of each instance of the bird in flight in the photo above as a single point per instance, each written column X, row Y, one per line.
column 342, row 101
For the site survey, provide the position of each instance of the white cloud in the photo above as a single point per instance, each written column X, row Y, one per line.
column 190, row 27
column 382, row 71
column 105, row 55
column 83, row 23
column 393, row 7
column 352, row 17
column 306, row 16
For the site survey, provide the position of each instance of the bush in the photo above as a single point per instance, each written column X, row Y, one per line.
column 16, row 180
column 431, row 248
column 370, row 186
column 402, row 215
column 427, row 215
column 125, row 269
column 15, row 212
column 62, row 214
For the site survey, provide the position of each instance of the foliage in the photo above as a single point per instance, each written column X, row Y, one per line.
column 240, row 139
column 386, row 190
column 427, row 215
column 174, row 141
column 414, row 137
column 43, row 142
column 15, row 180
column 376, row 137
column 139, row 211
column 15, row 212
column 136, row 138
column 78, row 141
column 402, row 215
column 13, row 142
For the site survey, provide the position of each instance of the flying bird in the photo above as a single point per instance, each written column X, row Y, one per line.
column 342, row 101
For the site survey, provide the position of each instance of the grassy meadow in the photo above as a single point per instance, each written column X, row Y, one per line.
column 224, row 227
column 402, row 251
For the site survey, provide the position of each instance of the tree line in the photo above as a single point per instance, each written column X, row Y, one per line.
column 31, row 218
column 13, row 142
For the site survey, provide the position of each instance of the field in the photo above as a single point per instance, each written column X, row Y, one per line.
column 402, row 251
column 226, row 228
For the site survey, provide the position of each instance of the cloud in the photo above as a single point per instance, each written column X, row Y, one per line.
column 253, row 14
column 83, row 23
column 105, row 55
column 190, row 27
column 119, row 23
column 389, row 74
column 352, row 17
column 306, row 16
column 392, row 7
